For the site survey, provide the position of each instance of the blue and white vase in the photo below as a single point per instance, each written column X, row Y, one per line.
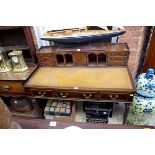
column 143, row 107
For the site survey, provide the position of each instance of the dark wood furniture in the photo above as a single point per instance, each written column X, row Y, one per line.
column 12, row 86
column 45, row 124
column 18, row 38
column 91, row 73
column 82, row 83
column 150, row 56
column 97, row 72
column 99, row 55
column 12, row 83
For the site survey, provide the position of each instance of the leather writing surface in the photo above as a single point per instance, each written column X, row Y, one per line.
column 88, row 77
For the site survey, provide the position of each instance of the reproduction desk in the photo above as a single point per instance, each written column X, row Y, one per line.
column 97, row 72
column 108, row 84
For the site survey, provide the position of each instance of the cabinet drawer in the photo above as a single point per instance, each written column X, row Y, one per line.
column 88, row 95
column 65, row 94
column 120, row 53
column 44, row 54
column 12, row 87
column 114, row 96
column 41, row 93
column 45, row 59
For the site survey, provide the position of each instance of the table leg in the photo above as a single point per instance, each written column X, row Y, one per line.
column 125, row 115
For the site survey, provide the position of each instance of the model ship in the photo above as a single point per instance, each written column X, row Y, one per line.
column 77, row 35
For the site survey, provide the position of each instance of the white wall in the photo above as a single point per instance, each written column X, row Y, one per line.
column 39, row 30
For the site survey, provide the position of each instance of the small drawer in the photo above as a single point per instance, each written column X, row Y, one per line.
column 114, row 97
column 12, row 87
column 45, row 59
column 86, row 95
column 118, row 58
column 65, row 94
column 44, row 54
column 120, row 53
column 41, row 93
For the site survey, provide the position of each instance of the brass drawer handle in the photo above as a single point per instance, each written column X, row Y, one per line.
column 5, row 88
column 42, row 93
column 63, row 95
column 113, row 97
column 87, row 96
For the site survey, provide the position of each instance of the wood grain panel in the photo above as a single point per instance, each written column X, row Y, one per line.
column 11, row 87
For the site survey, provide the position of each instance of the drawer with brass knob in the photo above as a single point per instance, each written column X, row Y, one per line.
column 41, row 93
column 11, row 87
column 65, row 94
column 88, row 95
column 115, row 96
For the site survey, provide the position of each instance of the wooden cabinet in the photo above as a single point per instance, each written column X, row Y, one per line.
column 12, row 83
column 12, row 87
column 13, row 92
column 18, row 38
column 93, row 73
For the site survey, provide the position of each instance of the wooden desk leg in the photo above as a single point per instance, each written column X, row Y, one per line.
column 125, row 115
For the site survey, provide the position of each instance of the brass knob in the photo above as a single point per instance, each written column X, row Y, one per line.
column 63, row 95
column 113, row 97
column 41, row 93
column 5, row 88
column 87, row 96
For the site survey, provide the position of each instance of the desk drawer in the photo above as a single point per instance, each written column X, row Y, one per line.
column 40, row 55
column 41, row 93
column 115, row 96
column 65, row 94
column 51, row 93
column 88, row 95
column 12, row 87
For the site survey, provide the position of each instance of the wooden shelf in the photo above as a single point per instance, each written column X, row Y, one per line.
column 18, row 38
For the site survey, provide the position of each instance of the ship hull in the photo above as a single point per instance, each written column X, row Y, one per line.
column 83, row 38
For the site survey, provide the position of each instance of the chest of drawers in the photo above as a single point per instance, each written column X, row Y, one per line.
column 12, row 83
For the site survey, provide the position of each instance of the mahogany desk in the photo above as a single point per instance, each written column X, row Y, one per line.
column 108, row 84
